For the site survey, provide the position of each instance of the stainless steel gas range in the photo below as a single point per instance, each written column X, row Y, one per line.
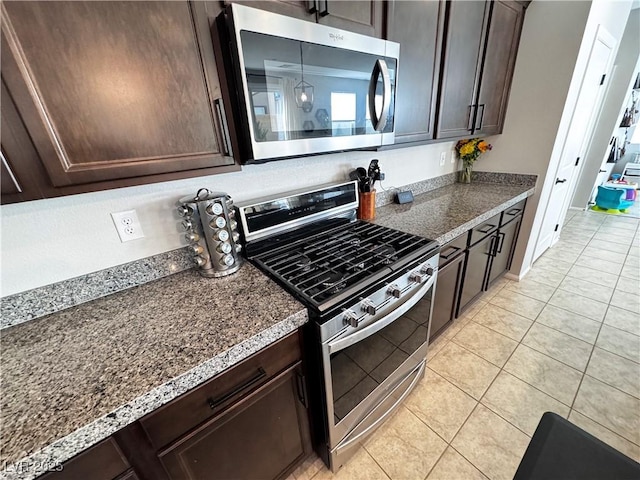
column 369, row 291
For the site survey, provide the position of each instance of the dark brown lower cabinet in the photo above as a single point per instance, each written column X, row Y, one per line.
column 450, row 270
column 104, row 461
column 475, row 273
column 261, row 436
column 506, row 238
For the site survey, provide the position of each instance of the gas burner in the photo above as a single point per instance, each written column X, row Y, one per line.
column 333, row 279
column 386, row 251
column 354, row 242
column 303, row 262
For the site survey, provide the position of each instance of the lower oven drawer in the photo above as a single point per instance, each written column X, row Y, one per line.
column 191, row 409
column 377, row 417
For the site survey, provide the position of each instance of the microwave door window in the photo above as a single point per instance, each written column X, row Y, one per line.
column 300, row 90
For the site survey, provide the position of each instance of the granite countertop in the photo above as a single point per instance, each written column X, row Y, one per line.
column 449, row 211
column 75, row 377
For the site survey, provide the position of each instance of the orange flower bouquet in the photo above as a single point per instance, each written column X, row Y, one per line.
column 468, row 151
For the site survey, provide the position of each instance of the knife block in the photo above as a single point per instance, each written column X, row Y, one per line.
column 367, row 206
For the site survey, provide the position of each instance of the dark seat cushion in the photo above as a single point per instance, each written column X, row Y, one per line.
column 560, row 450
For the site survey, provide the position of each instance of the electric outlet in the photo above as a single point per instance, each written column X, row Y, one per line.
column 127, row 225
column 443, row 158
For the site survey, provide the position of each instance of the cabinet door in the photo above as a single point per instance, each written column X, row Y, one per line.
column 304, row 10
column 101, row 462
column 113, row 90
column 418, row 27
column 475, row 272
column 506, row 242
column 466, row 27
column 365, row 17
column 500, row 57
column 262, row 436
column 446, row 297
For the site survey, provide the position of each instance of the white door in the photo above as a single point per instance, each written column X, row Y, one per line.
column 578, row 137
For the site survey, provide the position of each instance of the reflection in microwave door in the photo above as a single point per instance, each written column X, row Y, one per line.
column 308, row 126
column 322, row 116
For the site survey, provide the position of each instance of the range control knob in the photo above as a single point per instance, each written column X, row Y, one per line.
column 201, row 261
column 427, row 270
column 192, row 237
column 416, row 277
column 351, row 318
column 368, row 306
column 394, row 290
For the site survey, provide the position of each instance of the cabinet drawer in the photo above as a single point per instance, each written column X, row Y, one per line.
column 194, row 407
column 484, row 229
column 512, row 212
column 452, row 249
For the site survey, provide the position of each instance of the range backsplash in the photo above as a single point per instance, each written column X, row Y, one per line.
column 38, row 302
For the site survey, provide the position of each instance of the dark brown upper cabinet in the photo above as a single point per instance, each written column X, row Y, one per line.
column 418, row 27
column 114, row 93
column 480, row 50
column 359, row 16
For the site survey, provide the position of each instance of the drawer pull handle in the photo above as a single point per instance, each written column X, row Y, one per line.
column 487, row 228
column 501, row 237
column 453, row 251
column 514, row 211
column 215, row 402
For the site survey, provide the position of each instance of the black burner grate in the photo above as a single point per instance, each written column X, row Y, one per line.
column 326, row 265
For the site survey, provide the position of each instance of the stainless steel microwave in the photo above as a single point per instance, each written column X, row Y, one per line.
column 300, row 88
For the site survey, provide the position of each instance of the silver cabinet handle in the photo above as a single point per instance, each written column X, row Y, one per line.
column 380, row 68
column 312, row 6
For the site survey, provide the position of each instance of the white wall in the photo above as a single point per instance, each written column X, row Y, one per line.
column 549, row 46
column 47, row 241
column 611, row 114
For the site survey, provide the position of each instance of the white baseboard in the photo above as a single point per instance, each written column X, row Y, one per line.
column 515, row 277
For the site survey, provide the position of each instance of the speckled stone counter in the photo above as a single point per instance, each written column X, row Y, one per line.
column 75, row 377
column 449, row 211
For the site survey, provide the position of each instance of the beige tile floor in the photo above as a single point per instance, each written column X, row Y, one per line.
column 564, row 339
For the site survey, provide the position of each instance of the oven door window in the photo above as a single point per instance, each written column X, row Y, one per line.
column 300, row 90
column 359, row 369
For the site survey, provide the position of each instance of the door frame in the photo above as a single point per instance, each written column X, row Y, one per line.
column 546, row 239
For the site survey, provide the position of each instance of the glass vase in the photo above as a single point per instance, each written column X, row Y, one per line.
column 465, row 174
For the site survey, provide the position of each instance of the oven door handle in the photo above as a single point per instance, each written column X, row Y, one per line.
column 354, row 337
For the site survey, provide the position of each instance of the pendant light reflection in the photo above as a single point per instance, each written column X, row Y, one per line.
column 303, row 91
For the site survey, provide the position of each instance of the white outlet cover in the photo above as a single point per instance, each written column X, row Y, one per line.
column 128, row 225
column 443, row 158
column 453, row 157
